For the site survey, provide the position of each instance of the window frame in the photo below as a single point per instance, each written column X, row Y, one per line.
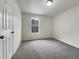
column 35, row 18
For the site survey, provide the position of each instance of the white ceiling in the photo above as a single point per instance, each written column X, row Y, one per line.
column 39, row 7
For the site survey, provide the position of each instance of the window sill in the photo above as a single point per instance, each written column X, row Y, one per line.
column 35, row 33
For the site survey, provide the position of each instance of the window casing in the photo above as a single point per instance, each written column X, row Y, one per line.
column 35, row 25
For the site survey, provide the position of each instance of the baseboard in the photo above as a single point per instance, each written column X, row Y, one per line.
column 63, row 41
column 54, row 37
column 17, row 47
column 36, row 39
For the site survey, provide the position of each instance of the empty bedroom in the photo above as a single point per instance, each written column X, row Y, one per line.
column 39, row 29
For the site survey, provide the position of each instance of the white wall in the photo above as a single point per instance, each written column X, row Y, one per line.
column 45, row 27
column 66, row 26
column 17, row 25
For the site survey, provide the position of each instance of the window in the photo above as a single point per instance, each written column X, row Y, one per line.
column 35, row 25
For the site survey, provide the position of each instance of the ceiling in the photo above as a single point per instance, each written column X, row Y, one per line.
column 39, row 7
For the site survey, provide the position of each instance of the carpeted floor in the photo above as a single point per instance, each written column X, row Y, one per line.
column 46, row 49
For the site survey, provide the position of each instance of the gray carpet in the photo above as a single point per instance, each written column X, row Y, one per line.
column 46, row 49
